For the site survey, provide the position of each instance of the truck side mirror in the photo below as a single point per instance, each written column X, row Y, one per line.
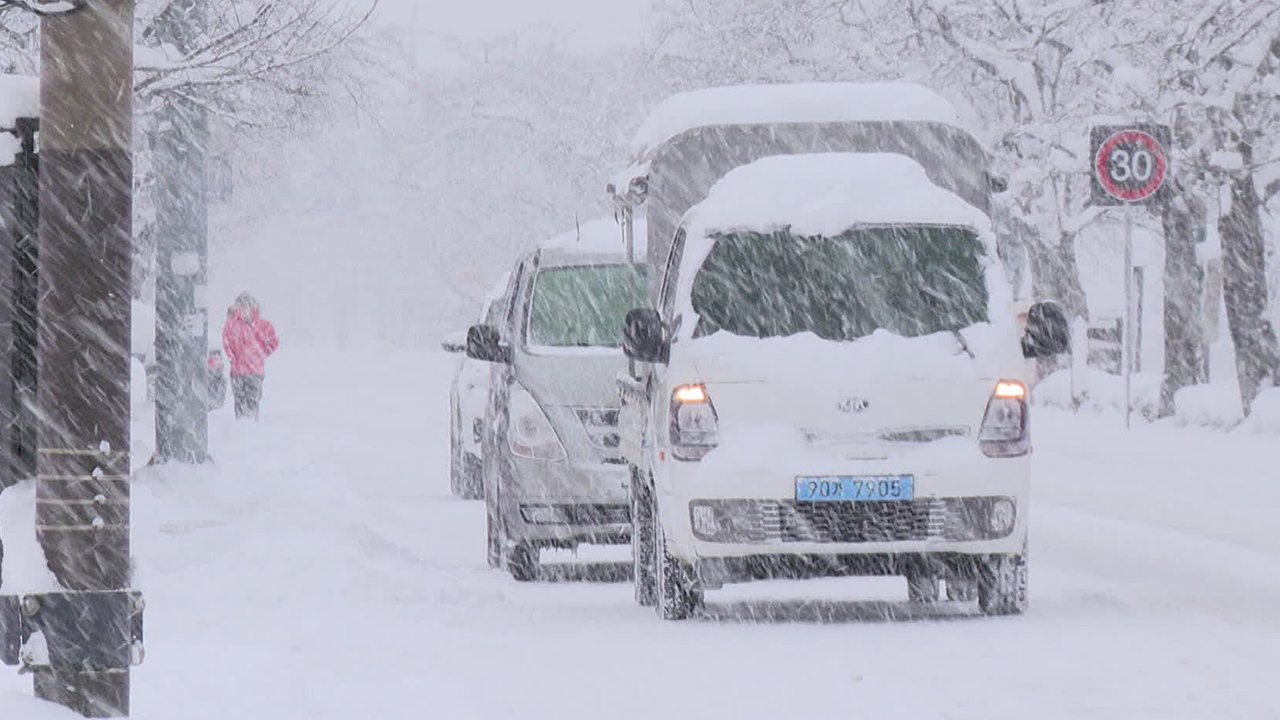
column 484, row 343
column 644, row 337
column 1048, row 333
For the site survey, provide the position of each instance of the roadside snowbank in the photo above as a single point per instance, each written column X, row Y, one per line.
column 1265, row 414
column 1215, row 406
column 1096, row 391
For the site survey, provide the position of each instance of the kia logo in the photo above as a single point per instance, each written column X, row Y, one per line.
column 853, row 405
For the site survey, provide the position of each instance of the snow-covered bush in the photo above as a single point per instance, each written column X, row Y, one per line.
column 1265, row 414
column 1097, row 391
column 1214, row 405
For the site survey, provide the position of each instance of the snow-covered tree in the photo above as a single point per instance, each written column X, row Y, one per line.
column 1215, row 67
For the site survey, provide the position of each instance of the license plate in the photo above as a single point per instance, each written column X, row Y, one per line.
column 819, row 488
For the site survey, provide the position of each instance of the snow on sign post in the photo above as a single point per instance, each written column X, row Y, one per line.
column 1130, row 166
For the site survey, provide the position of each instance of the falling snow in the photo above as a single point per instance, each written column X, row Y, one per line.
column 831, row 442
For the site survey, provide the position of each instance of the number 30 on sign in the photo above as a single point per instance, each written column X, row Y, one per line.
column 1130, row 163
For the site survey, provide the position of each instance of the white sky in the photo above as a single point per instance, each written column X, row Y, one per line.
column 587, row 25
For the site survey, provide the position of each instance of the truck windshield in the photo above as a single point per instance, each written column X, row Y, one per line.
column 911, row 280
column 584, row 305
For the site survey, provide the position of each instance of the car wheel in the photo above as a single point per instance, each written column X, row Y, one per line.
column 642, row 557
column 922, row 588
column 493, row 535
column 1002, row 584
column 522, row 562
column 456, row 480
column 678, row 596
column 472, row 477
column 493, row 549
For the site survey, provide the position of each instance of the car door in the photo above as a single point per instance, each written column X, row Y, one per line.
column 641, row 412
column 500, row 378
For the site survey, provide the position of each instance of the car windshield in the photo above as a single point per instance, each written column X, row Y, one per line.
column 911, row 280
column 584, row 305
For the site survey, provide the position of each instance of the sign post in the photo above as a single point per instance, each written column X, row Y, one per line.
column 1130, row 165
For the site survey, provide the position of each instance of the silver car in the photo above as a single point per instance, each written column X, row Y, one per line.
column 553, row 472
column 468, row 396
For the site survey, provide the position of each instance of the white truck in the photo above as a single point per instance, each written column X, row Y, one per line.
column 830, row 380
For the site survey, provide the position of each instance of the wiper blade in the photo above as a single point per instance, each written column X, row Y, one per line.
column 963, row 344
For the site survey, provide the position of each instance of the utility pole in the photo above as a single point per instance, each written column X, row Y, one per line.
column 180, row 144
column 83, row 344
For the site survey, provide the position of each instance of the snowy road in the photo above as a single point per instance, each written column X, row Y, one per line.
column 322, row 570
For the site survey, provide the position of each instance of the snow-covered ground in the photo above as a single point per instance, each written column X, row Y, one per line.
column 320, row 569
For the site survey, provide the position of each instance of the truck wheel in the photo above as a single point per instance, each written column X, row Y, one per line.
column 642, row 559
column 961, row 589
column 922, row 588
column 522, row 562
column 1002, row 584
column 678, row 595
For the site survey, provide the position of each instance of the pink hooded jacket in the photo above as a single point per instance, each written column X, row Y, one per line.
column 248, row 339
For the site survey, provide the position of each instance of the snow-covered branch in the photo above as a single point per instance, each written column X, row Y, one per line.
column 46, row 8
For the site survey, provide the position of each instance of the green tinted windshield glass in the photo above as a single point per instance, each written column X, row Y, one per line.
column 909, row 280
column 584, row 305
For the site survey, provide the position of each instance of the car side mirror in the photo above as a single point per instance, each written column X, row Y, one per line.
column 484, row 343
column 1048, row 333
column 454, row 342
column 644, row 337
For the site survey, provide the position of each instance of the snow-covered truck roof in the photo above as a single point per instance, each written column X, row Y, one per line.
column 694, row 139
column 595, row 240
column 825, row 194
column 791, row 103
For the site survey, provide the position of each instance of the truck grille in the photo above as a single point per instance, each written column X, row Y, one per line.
column 787, row 521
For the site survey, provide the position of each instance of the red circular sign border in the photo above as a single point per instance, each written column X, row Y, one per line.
column 1142, row 193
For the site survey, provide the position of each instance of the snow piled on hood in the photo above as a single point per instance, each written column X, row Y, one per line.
column 881, row 354
column 791, row 103
column 601, row 236
column 825, row 194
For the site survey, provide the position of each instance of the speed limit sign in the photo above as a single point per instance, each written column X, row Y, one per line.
column 1130, row 163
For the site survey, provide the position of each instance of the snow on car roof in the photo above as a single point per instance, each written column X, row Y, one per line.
column 828, row 193
column 791, row 103
column 601, row 236
column 19, row 97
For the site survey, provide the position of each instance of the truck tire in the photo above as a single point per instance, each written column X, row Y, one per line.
column 922, row 588
column 522, row 562
column 678, row 594
column 1002, row 584
column 642, row 556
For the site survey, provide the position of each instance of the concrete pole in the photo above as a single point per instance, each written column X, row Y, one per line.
column 180, row 148
column 83, row 338
column 180, row 145
column 1127, row 351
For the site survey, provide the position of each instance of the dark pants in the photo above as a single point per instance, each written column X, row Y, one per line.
column 248, row 392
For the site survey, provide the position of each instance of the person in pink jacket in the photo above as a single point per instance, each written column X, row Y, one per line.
column 248, row 339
